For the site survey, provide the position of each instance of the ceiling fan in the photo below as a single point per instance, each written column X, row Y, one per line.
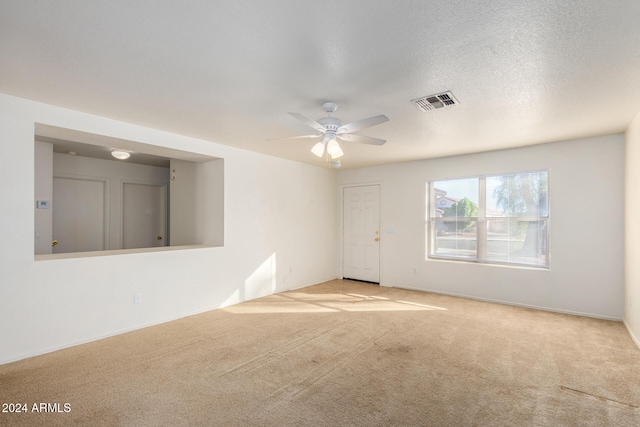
column 331, row 128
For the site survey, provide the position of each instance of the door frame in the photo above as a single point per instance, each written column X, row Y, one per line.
column 342, row 239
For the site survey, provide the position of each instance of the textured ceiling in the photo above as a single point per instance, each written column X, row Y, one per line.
column 230, row 71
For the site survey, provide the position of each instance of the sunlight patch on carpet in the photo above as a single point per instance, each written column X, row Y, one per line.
column 292, row 302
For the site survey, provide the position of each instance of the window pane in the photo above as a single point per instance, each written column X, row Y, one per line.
column 456, row 211
column 451, row 192
column 518, row 195
column 455, row 238
column 514, row 241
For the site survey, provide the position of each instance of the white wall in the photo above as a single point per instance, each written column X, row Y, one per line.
column 586, row 240
column 632, row 230
column 182, row 208
column 209, row 206
column 43, row 192
column 277, row 216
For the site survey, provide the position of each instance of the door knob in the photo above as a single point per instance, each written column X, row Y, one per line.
column 54, row 242
column 159, row 237
column 376, row 239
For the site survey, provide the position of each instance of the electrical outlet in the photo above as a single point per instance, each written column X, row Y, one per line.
column 137, row 298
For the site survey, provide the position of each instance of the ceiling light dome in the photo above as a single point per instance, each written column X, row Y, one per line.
column 120, row 155
column 318, row 149
column 334, row 150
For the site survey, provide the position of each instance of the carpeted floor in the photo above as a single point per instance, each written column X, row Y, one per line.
column 341, row 354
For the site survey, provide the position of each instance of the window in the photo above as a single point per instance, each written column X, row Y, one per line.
column 494, row 219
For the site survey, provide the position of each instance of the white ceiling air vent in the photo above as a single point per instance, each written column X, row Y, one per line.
column 434, row 102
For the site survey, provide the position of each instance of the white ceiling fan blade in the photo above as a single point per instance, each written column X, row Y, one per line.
column 307, row 121
column 294, row 137
column 361, row 139
column 363, row 123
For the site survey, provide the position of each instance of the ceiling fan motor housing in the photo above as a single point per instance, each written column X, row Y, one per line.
column 332, row 124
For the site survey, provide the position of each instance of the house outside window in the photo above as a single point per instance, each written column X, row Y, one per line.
column 501, row 219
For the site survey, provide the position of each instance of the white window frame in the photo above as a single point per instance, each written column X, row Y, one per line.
column 481, row 224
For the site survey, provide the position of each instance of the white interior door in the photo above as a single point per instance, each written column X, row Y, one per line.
column 78, row 215
column 144, row 215
column 361, row 234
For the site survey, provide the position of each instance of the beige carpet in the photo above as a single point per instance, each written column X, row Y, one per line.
column 342, row 354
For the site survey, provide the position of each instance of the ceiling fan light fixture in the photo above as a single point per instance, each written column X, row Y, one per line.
column 318, row 149
column 334, row 150
column 330, row 128
column 120, row 155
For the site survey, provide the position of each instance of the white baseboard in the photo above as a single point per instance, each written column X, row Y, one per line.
column 633, row 337
column 515, row 304
column 69, row 344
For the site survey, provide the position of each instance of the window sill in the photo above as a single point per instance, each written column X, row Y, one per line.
column 488, row 263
